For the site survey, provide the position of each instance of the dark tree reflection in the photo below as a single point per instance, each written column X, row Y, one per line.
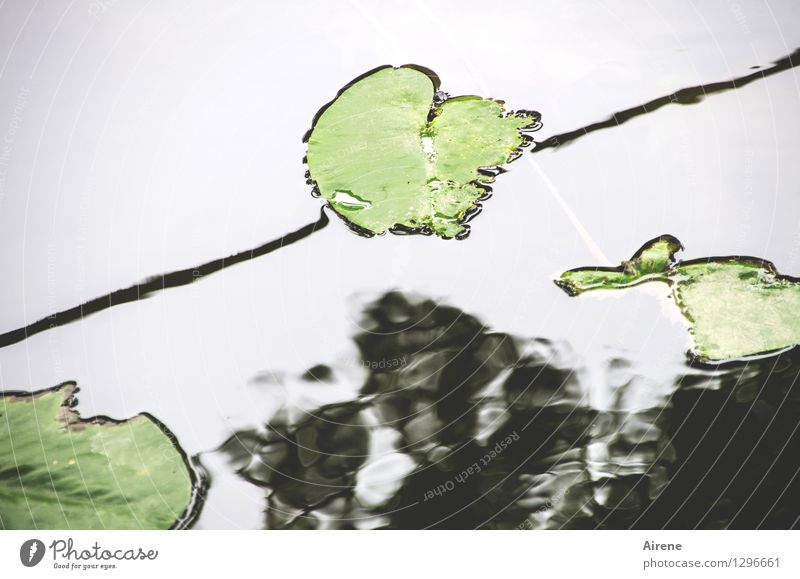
column 457, row 426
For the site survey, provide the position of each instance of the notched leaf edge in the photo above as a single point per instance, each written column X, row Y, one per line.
column 694, row 358
column 72, row 421
column 439, row 98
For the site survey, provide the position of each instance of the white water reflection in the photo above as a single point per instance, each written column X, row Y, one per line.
column 156, row 137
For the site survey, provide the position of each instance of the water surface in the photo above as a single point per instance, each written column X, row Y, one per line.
column 146, row 139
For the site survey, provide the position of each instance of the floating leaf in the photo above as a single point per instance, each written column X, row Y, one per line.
column 392, row 153
column 736, row 306
column 59, row 471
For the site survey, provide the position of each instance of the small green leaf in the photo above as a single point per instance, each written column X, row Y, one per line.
column 59, row 471
column 652, row 261
column 736, row 306
column 386, row 156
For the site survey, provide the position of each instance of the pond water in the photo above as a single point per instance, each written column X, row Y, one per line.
column 143, row 139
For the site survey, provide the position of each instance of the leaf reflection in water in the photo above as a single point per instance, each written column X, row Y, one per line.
column 457, row 426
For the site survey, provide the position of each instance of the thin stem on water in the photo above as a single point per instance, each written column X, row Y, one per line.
column 684, row 96
column 142, row 290
column 157, row 283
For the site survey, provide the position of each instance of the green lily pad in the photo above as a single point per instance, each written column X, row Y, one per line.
column 736, row 306
column 58, row 471
column 392, row 153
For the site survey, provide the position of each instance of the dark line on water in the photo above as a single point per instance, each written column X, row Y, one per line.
column 685, row 96
column 157, row 283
